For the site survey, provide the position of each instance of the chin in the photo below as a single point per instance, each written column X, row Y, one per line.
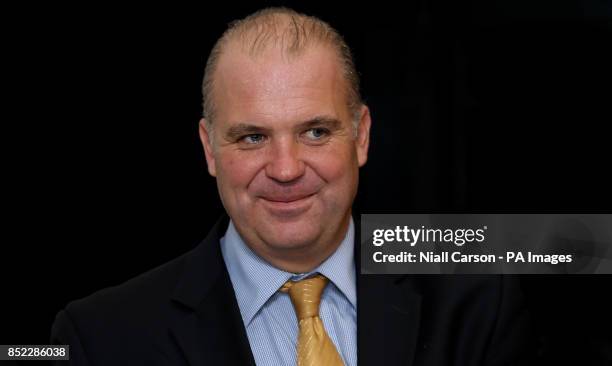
column 292, row 235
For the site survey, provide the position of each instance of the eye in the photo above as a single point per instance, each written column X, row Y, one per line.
column 252, row 139
column 317, row 133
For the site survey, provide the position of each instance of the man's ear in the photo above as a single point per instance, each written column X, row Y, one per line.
column 362, row 142
column 206, row 137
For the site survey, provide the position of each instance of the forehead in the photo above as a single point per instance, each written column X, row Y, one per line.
column 274, row 86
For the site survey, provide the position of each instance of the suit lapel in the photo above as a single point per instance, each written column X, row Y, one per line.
column 210, row 329
column 388, row 314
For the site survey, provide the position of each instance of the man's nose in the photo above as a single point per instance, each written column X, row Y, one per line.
column 285, row 162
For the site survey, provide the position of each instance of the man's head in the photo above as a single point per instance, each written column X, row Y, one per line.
column 285, row 132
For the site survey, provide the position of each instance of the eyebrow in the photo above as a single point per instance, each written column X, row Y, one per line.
column 241, row 129
column 321, row 121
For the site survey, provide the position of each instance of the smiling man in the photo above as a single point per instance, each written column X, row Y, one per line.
column 285, row 133
column 277, row 280
column 284, row 137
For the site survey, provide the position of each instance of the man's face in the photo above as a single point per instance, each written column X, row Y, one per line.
column 283, row 149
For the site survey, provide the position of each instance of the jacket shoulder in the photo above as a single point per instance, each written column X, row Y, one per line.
column 132, row 309
column 147, row 288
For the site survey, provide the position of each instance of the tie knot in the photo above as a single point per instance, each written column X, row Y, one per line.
column 306, row 295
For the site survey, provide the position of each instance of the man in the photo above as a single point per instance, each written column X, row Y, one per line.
column 277, row 282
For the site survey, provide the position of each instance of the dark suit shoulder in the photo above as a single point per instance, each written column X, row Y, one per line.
column 133, row 297
column 124, row 324
column 484, row 316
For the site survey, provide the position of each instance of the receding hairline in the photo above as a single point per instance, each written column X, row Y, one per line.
column 291, row 33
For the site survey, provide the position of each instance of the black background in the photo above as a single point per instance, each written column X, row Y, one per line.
column 481, row 106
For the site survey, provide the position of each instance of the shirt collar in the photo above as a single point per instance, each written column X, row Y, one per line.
column 255, row 280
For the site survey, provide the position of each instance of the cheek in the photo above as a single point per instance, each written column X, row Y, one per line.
column 235, row 171
column 336, row 167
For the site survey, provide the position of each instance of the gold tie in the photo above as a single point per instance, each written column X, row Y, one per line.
column 315, row 348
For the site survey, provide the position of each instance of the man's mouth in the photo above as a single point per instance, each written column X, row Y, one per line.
column 287, row 198
column 288, row 206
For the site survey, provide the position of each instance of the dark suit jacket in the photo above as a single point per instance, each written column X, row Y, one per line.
column 185, row 313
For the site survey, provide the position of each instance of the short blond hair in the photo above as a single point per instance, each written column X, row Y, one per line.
column 293, row 32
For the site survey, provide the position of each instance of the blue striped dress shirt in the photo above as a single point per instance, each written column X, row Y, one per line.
column 268, row 315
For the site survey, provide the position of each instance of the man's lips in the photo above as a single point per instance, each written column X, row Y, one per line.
column 288, row 206
column 286, row 198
